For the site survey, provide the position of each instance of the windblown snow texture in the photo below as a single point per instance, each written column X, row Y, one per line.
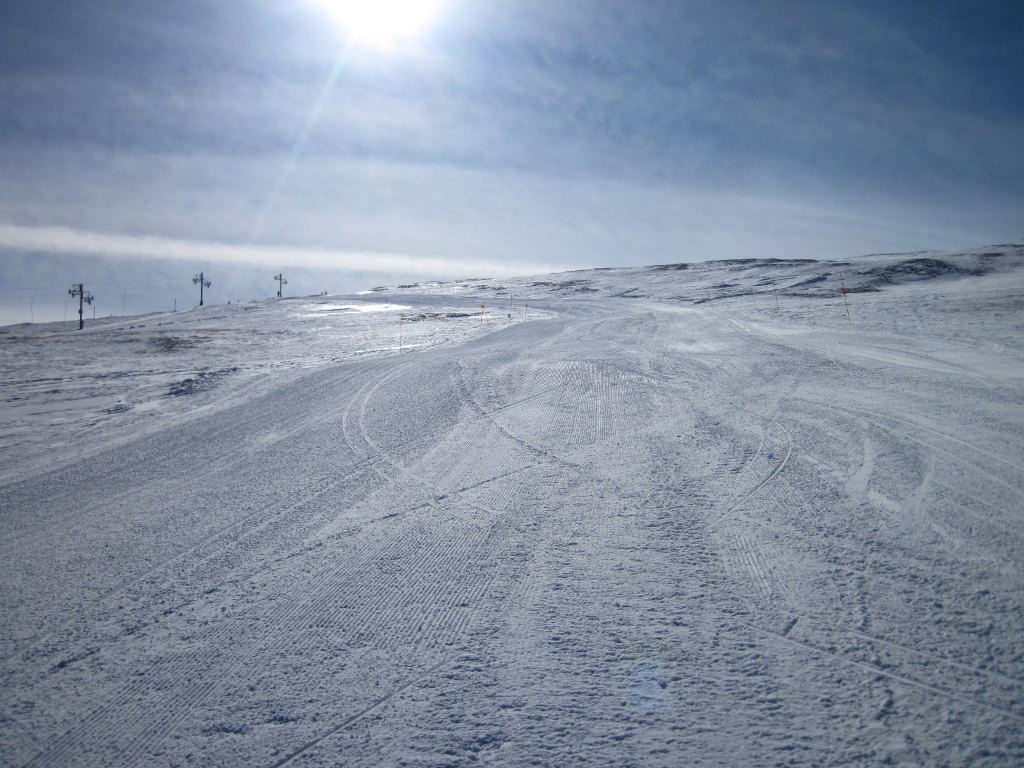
column 682, row 515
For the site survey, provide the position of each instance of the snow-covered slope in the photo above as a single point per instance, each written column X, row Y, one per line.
column 699, row 514
column 762, row 278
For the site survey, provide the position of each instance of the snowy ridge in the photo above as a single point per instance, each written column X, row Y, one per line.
column 626, row 526
column 707, row 281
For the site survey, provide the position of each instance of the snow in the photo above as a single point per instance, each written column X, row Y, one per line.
column 315, row 308
column 677, row 515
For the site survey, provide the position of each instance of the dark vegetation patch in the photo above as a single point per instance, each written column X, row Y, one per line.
column 735, row 295
column 812, row 280
column 574, row 286
column 744, row 263
column 669, row 267
column 916, row 269
column 202, row 381
column 825, row 294
column 171, row 343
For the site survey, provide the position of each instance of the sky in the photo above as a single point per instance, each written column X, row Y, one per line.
column 143, row 142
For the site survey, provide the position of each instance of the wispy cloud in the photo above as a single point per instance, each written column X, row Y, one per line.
column 66, row 240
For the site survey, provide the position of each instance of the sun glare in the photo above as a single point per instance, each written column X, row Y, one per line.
column 381, row 23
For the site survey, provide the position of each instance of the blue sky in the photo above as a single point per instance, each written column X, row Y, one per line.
column 143, row 141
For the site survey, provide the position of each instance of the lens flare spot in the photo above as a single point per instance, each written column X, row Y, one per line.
column 381, row 23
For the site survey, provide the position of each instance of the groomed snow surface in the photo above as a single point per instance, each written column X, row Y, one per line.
column 667, row 516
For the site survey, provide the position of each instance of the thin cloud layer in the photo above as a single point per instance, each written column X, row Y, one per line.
column 70, row 241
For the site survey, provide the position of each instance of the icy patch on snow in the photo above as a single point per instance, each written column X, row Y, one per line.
column 318, row 308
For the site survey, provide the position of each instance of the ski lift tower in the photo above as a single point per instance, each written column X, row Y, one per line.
column 203, row 282
column 280, row 283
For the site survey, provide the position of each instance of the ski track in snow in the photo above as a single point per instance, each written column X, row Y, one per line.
column 632, row 531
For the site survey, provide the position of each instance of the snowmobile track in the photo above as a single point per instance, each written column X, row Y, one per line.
column 764, row 482
column 362, row 713
column 787, row 636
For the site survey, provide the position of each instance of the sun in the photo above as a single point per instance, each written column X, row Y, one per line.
column 381, row 23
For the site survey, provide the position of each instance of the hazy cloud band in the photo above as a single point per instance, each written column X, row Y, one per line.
column 74, row 241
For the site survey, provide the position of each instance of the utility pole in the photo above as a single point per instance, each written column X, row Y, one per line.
column 203, row 282
column 280, row 282
column 84, row 297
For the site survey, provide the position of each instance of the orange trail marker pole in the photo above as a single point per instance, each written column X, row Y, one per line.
column 847, row 303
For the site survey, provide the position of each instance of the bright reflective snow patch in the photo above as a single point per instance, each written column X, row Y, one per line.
column 316, row 308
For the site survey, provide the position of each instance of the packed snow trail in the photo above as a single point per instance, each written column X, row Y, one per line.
column 634, row 534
